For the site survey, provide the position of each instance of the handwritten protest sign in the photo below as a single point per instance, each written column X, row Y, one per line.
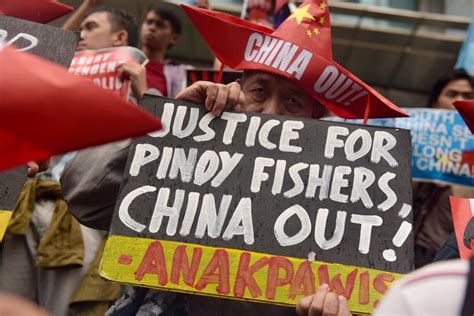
column 48, row 42
column 101, row 67
column 264, row 208
column 228, row 76
column 443, row 146
column 463, row 220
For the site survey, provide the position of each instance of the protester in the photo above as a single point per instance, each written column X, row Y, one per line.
column 432, row 211
column 104, row 27
column 160, row 30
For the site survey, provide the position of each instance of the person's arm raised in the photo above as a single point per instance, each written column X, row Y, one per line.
column 75, row 20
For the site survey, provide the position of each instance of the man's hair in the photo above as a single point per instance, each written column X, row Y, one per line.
column 444, row 80
column 168, row 15
column 120, row 20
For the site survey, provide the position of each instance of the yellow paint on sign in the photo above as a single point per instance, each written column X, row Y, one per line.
column 4, row 220
column 237, row 274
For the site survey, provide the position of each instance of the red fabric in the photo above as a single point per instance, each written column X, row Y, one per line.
column 45, row 111
column 228, row 37
column 466, row 109
column 41, row 11
column 462, row 214
column 155, row 76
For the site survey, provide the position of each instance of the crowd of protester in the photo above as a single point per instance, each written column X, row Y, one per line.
column 71, row 204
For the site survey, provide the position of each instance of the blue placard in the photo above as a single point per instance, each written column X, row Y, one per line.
column 442, row 145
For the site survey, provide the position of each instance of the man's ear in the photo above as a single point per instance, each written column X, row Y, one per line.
column 174, row 39
column 120, row 38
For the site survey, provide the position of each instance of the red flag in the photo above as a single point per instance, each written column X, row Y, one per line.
column 300, row 50
column 463, row 220
column 41, row 11
column 45, row 111
column 466, row 109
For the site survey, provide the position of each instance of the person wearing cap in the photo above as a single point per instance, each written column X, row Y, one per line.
column 289, row 72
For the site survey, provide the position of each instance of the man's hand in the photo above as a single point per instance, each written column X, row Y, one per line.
column 36, row 167
column 323, row 303
column 137, row 74
column 215, row 96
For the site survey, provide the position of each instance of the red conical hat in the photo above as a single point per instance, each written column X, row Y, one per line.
column 41, row 11
column 466, row 109
column 45, row 111
column 300, row 50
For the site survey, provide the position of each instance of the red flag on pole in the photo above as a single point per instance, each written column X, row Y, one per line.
column 45, row 111
column 41, row 11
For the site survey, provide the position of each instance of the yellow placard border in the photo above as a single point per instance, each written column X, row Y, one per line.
column 5, row 217
column 118, row 264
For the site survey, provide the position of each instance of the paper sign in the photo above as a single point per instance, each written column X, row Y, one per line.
column 101, row 67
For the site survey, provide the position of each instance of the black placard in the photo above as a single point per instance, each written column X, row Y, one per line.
column 367, row 183
column 48, row 42
column 11, row 183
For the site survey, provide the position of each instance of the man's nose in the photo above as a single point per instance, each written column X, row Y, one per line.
column 83, row 33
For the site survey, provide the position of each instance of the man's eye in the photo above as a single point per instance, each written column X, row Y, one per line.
column 294, row 104
column 451, row 94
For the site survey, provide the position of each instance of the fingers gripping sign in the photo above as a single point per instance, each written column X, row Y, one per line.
column 215, row 96
column 137, row 75
column 323, row 303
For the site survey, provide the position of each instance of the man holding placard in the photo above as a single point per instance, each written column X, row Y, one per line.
column 292, row 72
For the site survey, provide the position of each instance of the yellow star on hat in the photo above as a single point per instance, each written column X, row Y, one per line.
column 301, row 13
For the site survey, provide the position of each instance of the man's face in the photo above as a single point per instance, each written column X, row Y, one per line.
column 456, row 90
column 97, row 32
column 271, row 94
column 156, row 33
